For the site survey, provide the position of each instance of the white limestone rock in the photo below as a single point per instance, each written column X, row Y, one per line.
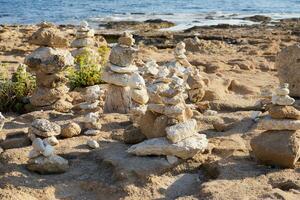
column 283, row 100
column 38, row 145
column 49, row 150
column 184, row 149
column 181, row 131
column 123, row 70
column 140, row 96
column 51, row 140
column 278, row 124
column 93, row 144
column 115, row 78
column 92, row 132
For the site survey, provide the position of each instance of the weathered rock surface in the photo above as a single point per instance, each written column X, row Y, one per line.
column 284, row 112
column 122, row 56
column 51, row 37
column 119, row 100
column 278, row 124
column 70, row 130
column 288, row 66
column 280, row 148
column 181, row 131
column 48, row 165
column 184, row 149
column 153, row 125
column 44, row 128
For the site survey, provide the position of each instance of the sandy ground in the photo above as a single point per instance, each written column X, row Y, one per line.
column 237, row 61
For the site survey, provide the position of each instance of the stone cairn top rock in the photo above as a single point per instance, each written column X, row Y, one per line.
column 42, row 159
column 167, row 122
column 125, row 83
column 180, row 55
column 49, row 62
column 280, row 143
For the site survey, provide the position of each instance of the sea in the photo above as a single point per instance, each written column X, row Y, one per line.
column 185, row 13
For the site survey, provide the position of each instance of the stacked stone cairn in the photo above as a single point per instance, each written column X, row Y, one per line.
column 49, row 62
column 43, row 160
column 167, row 122
column 280, row 143
column 180, row 56
column 125, row 83
column 85, row 43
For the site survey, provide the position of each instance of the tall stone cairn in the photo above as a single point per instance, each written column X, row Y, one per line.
column 85, row 43
column 123, row 78
column 280, row 143
column 49, row 62
column 168, row 122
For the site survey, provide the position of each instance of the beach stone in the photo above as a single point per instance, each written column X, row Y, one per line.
column 51, row 140
column 284, row 112
column 288, row 67
column 83, row 42
column 278, row 124
column 153, row 125
column 181, row 131
column 118, row 99
column 280, row 148
column 282, row 91
column 93, row 144
column 92, row 132
column 44, row 128
column 50, row 37
column 140, row 95
column 70, row 130
column 122, row 56
column 184, row 149
column 172, row 159
column 115, row 78
column 63, row 106
column 33, row 154
column 47, row 96
column 283, row 100
column 126, row 39
column 49, row 150
column 38, row 145
column 48, row 165
column 123, row 70
column 49, row 60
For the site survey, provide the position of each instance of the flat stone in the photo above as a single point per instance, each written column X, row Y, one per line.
column 184, row 149
column 283, row 100
column 122, row 56
column 49, row 60
column 51, row 37
column 116, row 78
column 278, row 124
column 92, row 132
column 85, row 34
column 44, row 128
column 123, row 70
column 48, row 165
column 181, row 131
column 83, row 42
column 277, row 148
column 284, row 112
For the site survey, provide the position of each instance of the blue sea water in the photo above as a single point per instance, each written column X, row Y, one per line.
column 182, row 12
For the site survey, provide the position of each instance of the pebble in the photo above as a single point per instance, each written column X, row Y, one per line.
column 93, row 144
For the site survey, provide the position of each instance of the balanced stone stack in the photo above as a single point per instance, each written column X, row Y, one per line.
column 124, row 81
column 85, row 43
column 167, row 123
column 280, row 143
column 43, row 160
column 180, row 55
column 42, row 128
column 49, row 62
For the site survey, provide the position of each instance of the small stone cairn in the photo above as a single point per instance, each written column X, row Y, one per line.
column 280, row 143
column 167, row 122
column 180, row 56
column 49, row 62
column 42, row 128
column 85, row 43
column 125, row 83
column 43, row 160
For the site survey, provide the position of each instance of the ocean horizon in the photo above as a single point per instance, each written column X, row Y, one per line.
column 184, row 13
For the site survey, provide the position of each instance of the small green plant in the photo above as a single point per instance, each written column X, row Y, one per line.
column 13, row 90
column 104, row 53
column 88, row 71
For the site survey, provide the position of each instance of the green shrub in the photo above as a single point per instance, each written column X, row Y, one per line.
column 14, row 89
column 88, row 72
column 104, row 53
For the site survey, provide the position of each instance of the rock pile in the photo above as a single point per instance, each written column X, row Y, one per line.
column 280, row 143
column 85, row 43
column 43, row 160
column 167, row 122
column 180, row 55
column 48, row 62
column 42, row 128
column 91, row 100
column 288, row 66
column 125, row 84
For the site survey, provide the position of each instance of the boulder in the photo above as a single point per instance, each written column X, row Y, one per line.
column 181, row 131
column 184, row 149
column 278, row 124
column 288, row 67
column 70, row 130
column 284, row 112
column 48, row 165
column 280, row 148
column 50, row 37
